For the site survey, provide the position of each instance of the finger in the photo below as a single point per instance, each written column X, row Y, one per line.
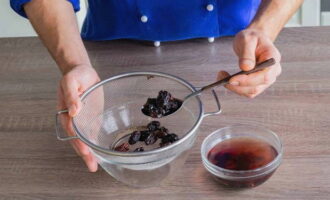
column 271, row 74
column 60, row 102
column 65, row 119
column 90, row 162
column 80, row 148
column 276, row 69
column 83, row 151
column 247, row 53
column 250, row 92
column 266, row 76
column 270, row 52
column 71, row 96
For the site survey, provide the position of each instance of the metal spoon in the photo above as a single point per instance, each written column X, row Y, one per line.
column 263, row 65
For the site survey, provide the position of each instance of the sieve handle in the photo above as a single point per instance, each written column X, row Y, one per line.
column 218, row 111
column 58, row 134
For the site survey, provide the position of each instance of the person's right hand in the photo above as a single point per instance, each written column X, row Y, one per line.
column 253, row 46
column 72, row 85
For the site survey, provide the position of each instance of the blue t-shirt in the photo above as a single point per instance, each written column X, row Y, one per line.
column 161, row 20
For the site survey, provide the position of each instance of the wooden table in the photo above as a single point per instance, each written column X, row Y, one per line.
column 34, row 165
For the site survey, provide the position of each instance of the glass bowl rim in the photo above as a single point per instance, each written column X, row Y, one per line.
column 276, row 162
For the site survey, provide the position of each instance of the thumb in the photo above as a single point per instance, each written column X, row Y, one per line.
column 71, row 97
column 247, row 54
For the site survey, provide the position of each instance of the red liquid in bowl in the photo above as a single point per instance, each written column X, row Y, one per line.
column 243, row 154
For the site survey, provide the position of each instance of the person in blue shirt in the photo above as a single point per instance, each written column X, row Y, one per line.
column 255, row 24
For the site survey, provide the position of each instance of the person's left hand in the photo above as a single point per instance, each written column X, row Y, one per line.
column 251, row 47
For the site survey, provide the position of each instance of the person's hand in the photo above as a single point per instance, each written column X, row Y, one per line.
column 73, row 84
column 251, row 47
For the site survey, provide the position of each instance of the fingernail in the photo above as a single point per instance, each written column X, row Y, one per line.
column 72, row 110
column 92, row 169
column 246, row 64
column 234, row 83
column 93, row 166
column 249, row 63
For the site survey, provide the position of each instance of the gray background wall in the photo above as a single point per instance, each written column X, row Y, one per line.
column 325, row 5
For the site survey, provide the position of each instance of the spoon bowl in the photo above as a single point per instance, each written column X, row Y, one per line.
column 261, row 66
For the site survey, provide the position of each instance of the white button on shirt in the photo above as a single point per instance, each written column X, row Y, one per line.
column 144, row 19
column 209, row 7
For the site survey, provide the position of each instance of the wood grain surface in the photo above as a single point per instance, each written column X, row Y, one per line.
column 34, row 165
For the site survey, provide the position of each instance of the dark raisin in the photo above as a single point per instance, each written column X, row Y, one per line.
column 135, row 137
column 170, row 138
column 164, row 144
column 154, row 125
column 123, row 147
column 144, row 135
column 163, row 129
column 155, row 113
column 163, row 98
column 150, row 77
column 166, row 139
column 163, row 112
column 139, row 149
column 179, row 103
column 150, row 108
column 160, row 134
column 167, row 106
column 175, row 104
column 151, row 101
column 163, row 105
column 174, row 137
column 151, row 139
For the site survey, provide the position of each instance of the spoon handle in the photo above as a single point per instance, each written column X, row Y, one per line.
column 263, row 65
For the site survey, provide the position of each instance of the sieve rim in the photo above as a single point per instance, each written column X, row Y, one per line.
column 154, row 151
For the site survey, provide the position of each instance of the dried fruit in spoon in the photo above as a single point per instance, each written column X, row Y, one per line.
column 164, row 104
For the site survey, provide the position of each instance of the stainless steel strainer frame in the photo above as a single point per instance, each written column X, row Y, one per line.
column 130, row 154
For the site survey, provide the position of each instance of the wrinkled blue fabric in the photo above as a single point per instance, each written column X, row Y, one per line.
column 17, row 6
column 167, row 19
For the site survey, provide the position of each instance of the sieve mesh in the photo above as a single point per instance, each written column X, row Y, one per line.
column 112, row 108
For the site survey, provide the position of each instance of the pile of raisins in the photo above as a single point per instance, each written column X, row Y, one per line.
column 150, row 136
column 161, row 106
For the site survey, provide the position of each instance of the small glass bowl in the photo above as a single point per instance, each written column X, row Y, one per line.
column 242, row 178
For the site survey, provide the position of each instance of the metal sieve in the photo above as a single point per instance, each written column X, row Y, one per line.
column 112, row 109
